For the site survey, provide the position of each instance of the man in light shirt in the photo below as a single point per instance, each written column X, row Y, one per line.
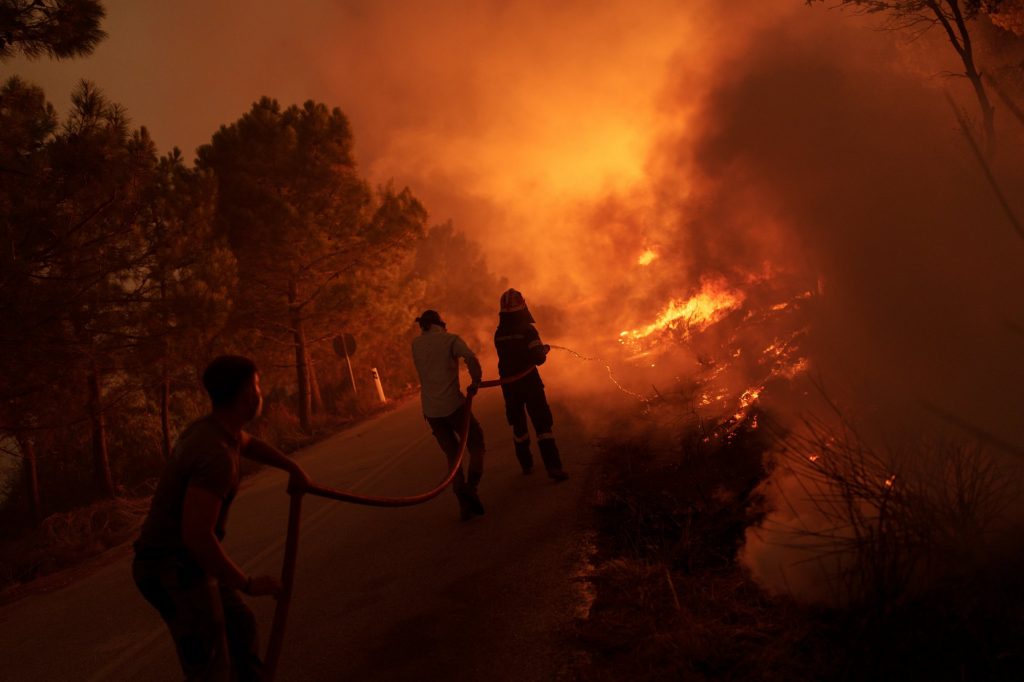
column 436, row 354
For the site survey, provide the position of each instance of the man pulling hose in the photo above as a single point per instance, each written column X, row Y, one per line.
column 180, row 566
column 436, row 353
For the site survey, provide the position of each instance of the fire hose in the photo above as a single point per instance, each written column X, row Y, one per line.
column 291, row 547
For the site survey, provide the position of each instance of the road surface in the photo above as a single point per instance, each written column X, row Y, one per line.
column 380, row 594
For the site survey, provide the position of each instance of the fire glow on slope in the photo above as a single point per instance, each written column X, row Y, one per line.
column 714, row 301
column 753, row 341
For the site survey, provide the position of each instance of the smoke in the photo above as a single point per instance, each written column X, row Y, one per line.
column 751, row 140
column 822, row 149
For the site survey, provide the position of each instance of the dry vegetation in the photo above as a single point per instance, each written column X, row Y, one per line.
column 67, row 539
column 673, row 602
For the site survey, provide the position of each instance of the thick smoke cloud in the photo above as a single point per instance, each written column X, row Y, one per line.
column 822, row 149
column 860, row 175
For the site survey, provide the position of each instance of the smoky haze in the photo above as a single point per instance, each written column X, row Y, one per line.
column 755, row 138
column 829, row 151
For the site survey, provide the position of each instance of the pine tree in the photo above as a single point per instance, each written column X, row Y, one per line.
column 57, row 28
column 299, row 219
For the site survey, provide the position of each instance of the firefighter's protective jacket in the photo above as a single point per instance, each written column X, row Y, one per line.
column 518, row 344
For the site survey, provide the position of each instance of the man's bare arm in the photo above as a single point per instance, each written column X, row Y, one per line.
column 260, row 451
column 199, row 519
column 461, row 349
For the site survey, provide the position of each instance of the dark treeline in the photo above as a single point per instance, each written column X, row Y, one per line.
column 122, row 272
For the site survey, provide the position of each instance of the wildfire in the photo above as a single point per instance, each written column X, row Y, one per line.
column 748, row 398
column 713, row 302
column 646, row 258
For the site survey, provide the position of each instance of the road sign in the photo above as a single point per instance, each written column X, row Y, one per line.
column 344, row 345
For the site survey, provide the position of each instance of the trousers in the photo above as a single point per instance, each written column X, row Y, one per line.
column 526, row 397
column 447, row 431
column 214, row 632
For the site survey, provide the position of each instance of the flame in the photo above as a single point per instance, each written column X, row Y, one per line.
column 713, row 302
column 646, row 258
column 798, row 367
column 750, row 396
column 747, row 400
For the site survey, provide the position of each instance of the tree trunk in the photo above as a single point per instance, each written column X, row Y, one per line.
column 165, row 414
column 960, row 37
column 30, row 472
column 102, row 477
column 988, row 112
column 314, row 387
column 165, row 377
column 301, row 370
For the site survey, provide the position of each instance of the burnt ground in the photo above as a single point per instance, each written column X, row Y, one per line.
column 671, row 601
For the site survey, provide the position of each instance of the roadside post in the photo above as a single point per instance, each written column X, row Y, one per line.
column 380, row 388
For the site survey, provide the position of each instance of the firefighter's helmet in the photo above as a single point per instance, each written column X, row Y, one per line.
column 512, row 301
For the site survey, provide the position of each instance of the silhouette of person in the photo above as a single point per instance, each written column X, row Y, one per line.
column 519, row 348
column 180, row 566
column 436, row 354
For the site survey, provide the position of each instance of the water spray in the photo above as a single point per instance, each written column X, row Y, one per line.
column 611, row 373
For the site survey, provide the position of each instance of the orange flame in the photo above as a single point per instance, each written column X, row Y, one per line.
column 713, row 302
column 747, row 400
column 646, row 258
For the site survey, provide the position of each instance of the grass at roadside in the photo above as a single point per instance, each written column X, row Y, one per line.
column 672, row 602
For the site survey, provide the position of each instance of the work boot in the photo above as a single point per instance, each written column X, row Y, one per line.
column 469, row 505
column 552, row 460
column 524, row 455
column 464, row 494
column 476, row 507
column 465, row 506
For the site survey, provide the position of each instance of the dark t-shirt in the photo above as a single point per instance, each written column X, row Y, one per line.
column 206, row 456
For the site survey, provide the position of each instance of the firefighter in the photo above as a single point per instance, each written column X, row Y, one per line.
column 519, row 348
column 436, row 354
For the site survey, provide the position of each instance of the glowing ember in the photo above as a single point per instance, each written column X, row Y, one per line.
column 748, row 398
column 813, row 458
column 646, row 258
column 889, row 482
column 792, row 371
column 713, row 302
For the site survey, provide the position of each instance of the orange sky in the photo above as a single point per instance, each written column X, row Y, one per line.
column 503, row 115
column 507, row 101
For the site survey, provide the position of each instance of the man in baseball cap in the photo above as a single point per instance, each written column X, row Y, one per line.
column 436, row 353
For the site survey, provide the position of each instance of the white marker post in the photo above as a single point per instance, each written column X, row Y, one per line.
column 380, row 388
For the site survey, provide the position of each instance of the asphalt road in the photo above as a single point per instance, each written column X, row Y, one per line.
column 380, row 594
